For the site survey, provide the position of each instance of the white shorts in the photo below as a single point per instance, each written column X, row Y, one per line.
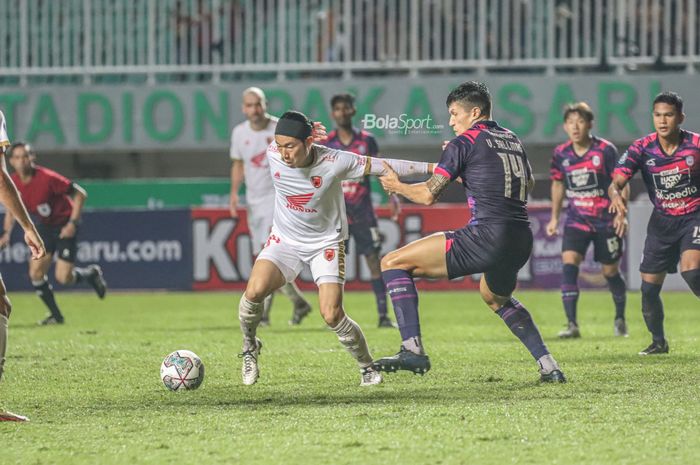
column 259, row 226
column 327, row 264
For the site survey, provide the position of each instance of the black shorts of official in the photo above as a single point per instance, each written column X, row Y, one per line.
column 367, row 238
column 667, row 238
column 497, row 250
column 66, row 249
column 607, row 246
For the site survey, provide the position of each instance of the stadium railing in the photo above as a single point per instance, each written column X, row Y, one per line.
column 89, row 38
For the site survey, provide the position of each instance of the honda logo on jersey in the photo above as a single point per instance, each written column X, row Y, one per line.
column 316, row 181
column 259, row 160
column 298, row 202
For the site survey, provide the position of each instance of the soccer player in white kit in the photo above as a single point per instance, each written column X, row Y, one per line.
column 310, row 227
column 11, row 200
column 249, row 142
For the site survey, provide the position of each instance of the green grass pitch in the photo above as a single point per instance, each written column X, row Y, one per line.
column 93, row 392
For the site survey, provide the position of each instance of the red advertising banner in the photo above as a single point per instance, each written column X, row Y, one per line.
column 222, row 248
column 222, row 257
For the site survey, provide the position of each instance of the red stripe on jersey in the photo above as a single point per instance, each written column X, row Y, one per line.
column 440, row 171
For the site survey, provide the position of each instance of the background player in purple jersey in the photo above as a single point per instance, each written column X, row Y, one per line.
column 669, row 160
column 497, row 242
column 581, row 171
column 362, row 220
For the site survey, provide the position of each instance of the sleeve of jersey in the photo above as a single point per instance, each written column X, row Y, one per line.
column 451, row 161
column 611, row 157
column 60, row 184
column 4, row 140
column 555, row 172
column 629, row 162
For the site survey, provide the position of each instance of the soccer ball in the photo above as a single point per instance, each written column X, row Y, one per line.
column 182, row 370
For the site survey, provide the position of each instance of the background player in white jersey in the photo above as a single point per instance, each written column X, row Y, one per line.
column 309, row 227
column 11, row 200
column 249, row 141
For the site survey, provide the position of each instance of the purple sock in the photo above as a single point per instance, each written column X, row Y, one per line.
column 569, row 291
column 618, row 289
column 380, row 296
column 518, row 319
column 404, row 297
column 653, row 310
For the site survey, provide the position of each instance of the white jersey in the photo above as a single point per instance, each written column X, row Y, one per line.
column 309, row 201
column 250, row 146
column 4, row 139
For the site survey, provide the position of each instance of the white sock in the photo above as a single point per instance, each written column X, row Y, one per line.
column 413, row 344
column 547, row 364
column 249, row 315
column 351, row 337
column 3, row 342
column 292, row 292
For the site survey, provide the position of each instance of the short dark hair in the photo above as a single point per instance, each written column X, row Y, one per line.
column 300, row 117
column 582, row 108
column 670, row 98
column 17, row 144
column 472, row 94
column 343, row 98
column 297, row 116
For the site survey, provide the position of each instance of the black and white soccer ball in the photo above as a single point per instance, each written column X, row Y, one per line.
column 182, row 370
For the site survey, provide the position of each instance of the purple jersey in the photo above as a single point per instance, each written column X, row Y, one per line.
column 672, row 181
column 495, row 172
column 358, row 200
column 586, row 178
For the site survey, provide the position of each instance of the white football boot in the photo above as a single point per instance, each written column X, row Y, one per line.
column 9, row 416
column 249, row 369
column 370, row 376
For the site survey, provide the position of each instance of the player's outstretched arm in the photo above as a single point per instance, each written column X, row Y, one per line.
column 404, row 169
column 616, row 191
column 424, row 193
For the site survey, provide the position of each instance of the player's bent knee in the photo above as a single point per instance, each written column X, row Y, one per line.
column 650, row 290
column 611, row 270
column 64, row 278
column 385, row 263
column 332, row 314
column 492, row 300
column 392, row 261
column 256, row 292
column 692, row 277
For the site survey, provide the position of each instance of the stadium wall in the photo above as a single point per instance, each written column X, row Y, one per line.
column 124, row 118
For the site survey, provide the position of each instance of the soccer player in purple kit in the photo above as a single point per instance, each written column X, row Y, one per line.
column 496, row 176
column 581, row 170
column 669, row 160
column 362, row 221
